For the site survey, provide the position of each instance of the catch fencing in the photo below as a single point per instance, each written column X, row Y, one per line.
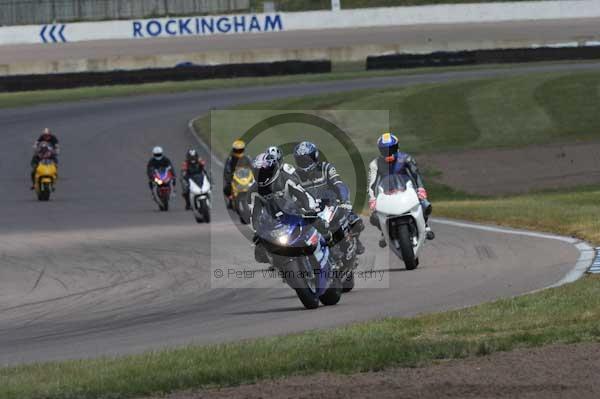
column 33, row 12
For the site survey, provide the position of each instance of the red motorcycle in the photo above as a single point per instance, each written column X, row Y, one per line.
column 163, row 186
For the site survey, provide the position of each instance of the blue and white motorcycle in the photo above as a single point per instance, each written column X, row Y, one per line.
column 298, row 251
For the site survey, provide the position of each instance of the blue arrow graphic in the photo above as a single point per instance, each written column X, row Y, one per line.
column 61, row 33
column 52, row 33
column 43, row 34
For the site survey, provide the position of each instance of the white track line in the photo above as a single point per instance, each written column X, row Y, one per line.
column 202, row 143
column 587, row 253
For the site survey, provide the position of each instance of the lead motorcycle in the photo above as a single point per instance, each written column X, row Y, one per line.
column 199, row 192
column 297, row 251
column 162, row 187
column 401, row 218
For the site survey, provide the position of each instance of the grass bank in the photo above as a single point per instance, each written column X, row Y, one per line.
column 569, row 314
column 571, row 212
column 28, row 98
column 342, row 71
column 500, row 112
column 491, row 113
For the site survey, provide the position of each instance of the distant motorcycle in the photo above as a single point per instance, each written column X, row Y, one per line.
column 163, row 186
column 297, row 251
column 242, row 185
column 46, row 174
column 199, row 192
column 401, row 218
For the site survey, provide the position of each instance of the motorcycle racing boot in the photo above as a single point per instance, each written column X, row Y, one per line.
column 429, row 234
column 382, row 243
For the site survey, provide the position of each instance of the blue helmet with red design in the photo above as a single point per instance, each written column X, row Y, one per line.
column 388, row 145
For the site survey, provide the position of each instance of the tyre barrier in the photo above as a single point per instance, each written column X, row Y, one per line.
column 475, row 57
column 182, row 72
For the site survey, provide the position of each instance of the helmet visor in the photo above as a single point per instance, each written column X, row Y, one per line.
column 265, row 174
column 388, row 151
column 304, row 162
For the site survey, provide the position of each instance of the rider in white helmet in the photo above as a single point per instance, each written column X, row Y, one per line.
column 158, row 161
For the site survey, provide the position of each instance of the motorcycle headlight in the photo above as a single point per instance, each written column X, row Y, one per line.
column 158, row 181
column 282, row 240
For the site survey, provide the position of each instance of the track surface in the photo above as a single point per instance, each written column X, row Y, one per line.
column 437, row 37
column 98, row 271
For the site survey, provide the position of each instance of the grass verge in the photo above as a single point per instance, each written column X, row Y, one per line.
column 500, row 112
column 341, row 72
column 569, row 314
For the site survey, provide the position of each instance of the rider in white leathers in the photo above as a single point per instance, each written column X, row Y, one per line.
column 393, row 161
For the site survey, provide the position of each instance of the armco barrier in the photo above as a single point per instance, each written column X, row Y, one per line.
column 180, row 73
column 500, row 56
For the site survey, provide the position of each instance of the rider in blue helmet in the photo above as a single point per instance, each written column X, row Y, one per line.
column 393, row 161
column 322, row 180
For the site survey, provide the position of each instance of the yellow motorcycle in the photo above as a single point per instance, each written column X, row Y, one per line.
column 46, row 175
column 241, row 187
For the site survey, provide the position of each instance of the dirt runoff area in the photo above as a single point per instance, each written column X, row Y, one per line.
column 521, row 170
column 565, row 371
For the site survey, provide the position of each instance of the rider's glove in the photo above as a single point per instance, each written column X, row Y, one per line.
column 372, row 204
column 346, row 205
column 422, row 193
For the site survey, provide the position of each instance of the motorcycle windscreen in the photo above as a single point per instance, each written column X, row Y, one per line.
column 392, row 184
column 198, row 179
column 163, row 175
column 243, row 173
column 280, row 222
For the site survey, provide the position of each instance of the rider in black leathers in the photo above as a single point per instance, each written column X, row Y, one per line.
column 193, row 165
column 322, row 181
column 157, row 162
column 278, row 180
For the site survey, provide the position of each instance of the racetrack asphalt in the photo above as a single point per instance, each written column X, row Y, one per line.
column 433, row 37
column 99, row 271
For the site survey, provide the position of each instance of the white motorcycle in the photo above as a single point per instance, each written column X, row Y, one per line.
column 401, row 218
column 200, row 197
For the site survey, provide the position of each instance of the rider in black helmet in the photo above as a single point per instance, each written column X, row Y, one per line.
column 322, row 181
column 276, row 180
column 193, row 165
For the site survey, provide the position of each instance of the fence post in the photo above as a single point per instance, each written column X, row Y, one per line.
column 53, row 11
column 336, row 5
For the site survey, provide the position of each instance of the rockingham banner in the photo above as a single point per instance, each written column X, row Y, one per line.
column 315, row 20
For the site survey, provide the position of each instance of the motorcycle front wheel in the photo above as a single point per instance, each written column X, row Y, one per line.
column 205, row 211
column 406, row 247
column 333, row 294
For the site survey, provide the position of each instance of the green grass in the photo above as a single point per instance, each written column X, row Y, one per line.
column 341, row 71
column 571, row 212
column 499, row 112
column 569, row 314
column 491, row 113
